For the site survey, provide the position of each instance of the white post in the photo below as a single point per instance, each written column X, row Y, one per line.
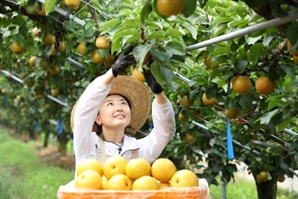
column 64, row 13
column 245, row 31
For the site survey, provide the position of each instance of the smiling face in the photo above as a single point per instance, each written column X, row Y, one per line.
column 114, row 113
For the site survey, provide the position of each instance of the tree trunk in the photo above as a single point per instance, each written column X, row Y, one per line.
column 46, row 139
column 267, row 190
column 31, row 134
column 62, row 147
column 62, row 144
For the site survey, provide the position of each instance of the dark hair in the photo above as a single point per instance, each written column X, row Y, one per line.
column 121, row 96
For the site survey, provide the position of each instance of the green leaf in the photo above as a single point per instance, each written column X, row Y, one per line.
column 192, row 29
column 222, row 20
column 240, row 66
column 116, row 45
column 50, row 6
column 294, row 84
column 220, row 9
column 273, row 103
column 146, row 10
column 96, row 4
column 110, row 24
column 132, row 38
column 163, row 75
column 214, row 74
column 238, row 23
column 159, row 34
column 246, row 101
column 291, row 33
column 267, row 40
column 127, row 33
column 30, row 4
column 289, row 71
column 265, row 119
column 252, row 40
column 140, row 52
column 293, row 147
column 103, row 52
column 175, row 48
column 150, row 25
column 255, row 52
column 18, row 20
column 296, row 158
column 169, row 77
column 238, row 10
column 173, row 32
column 189, row 7
column 217, row 29
column 131, row 23
column 220, row 50
column 213, row 3
column 285, row 123
column 283, row 165
column 161, row 54
column 230, row 103
column 157, row 73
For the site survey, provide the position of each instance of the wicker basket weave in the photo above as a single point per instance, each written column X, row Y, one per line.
column 65, row 192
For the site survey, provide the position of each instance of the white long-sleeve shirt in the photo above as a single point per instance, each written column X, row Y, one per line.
column 87, row 144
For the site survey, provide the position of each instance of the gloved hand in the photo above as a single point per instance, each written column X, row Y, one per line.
column 150, row 79
column 122, row 63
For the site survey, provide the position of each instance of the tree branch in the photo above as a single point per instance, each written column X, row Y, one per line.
column 16, row 8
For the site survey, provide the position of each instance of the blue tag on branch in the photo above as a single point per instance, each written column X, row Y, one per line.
column 36, row 126
column 229, row 141
column 60, row 129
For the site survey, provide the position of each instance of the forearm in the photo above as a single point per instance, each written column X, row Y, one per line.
column 85, row 113
column 108, row 77
column 163, row 131
column 161, row 98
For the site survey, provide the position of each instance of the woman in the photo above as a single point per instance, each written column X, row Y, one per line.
column 112, row 108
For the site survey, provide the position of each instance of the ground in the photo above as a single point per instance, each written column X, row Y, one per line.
column 49, row 154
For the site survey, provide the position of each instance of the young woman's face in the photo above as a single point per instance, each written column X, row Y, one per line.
column 114, row 112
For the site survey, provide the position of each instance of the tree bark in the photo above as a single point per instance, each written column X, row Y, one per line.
column 31, row 134
column 46, row 139
column 62, row 144
column 267, row 190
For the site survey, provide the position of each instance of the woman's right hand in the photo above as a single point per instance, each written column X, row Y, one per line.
column 155, row 87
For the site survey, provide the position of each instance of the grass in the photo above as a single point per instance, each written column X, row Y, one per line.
column 241, row 189
column 245, row 189
column 23, row 175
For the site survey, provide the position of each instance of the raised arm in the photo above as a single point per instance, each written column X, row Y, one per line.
column 89, row 104
column 163, row 122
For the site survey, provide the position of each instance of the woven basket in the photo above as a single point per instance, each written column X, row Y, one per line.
column 65, row 192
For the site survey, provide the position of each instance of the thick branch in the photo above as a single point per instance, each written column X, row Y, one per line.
column 265, row 10
column 92, row 11
column 16, row 8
